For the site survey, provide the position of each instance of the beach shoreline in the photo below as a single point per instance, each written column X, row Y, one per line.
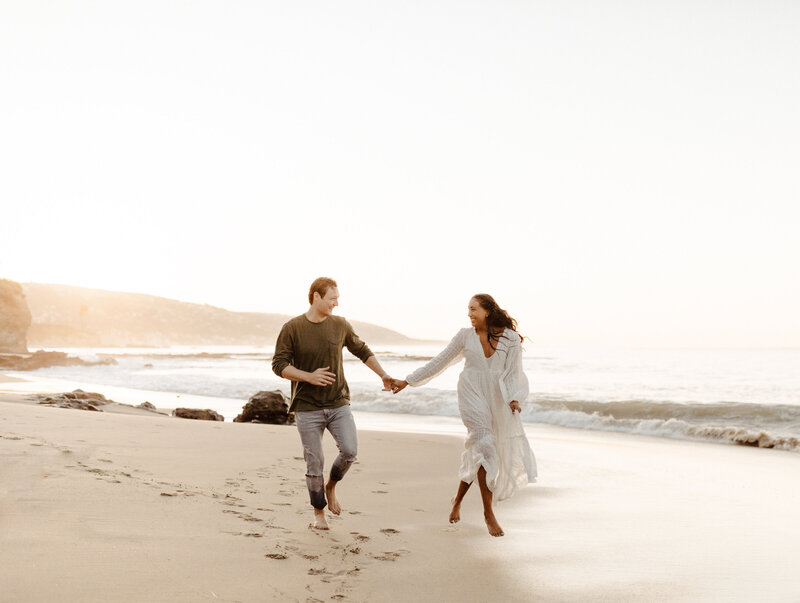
column 118, row 507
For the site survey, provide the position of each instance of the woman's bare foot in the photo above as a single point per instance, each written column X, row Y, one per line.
column 494, row 527
column 330, row 494
column 455, row 513
column 320, row 523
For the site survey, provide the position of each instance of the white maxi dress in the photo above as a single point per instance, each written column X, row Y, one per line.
column 495, row 437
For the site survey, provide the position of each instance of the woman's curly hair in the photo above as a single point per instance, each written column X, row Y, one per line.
column 497, row 319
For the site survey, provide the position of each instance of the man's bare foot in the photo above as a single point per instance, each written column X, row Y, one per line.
column 455, row 513
column 330, row 494
column 320, row 523
column 494, row 527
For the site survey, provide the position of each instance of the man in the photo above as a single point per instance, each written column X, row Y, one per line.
column 309, row 353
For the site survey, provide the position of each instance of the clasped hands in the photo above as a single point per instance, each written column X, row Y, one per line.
column 393, row 385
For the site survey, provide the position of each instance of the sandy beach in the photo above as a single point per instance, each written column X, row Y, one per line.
column 135, row 506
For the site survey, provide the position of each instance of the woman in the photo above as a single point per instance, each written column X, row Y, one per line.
column 490, row 389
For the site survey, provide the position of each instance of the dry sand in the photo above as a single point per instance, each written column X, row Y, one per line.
column 140, row 507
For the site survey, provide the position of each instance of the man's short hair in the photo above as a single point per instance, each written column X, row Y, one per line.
column 321, row 286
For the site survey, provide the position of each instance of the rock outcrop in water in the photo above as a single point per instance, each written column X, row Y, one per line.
column 15, row 318
column 266, row 407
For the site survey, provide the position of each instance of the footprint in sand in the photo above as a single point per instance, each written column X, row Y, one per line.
column 380, row 492
column 390, row 531
column 391, row 555
column 231, row 503
column 317, row 571
column 275, row 556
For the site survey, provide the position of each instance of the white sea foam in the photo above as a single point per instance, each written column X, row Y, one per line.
column 673, row 428
column 746, row 424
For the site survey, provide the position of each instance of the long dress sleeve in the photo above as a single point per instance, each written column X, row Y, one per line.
column 437, row 365
column 513, row 382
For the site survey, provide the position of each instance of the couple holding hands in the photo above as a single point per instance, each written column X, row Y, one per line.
column 491, row 387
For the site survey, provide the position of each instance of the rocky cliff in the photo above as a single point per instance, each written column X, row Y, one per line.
column 15, row 318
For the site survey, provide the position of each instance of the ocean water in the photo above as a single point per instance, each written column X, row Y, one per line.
column 734, row 396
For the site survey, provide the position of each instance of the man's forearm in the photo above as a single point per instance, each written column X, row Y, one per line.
column 376, row 367
column 295, row 374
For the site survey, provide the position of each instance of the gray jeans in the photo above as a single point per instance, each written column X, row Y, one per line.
column 311, row 424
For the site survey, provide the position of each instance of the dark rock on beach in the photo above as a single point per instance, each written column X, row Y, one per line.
column 77, row 399
column 82, row 400
column 15, row 318
column 42, row 359
column 266, row 407
column 196, row 413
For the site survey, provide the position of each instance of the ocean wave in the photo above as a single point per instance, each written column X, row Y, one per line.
column 737, row 423
column 778, row 415
column 237, row 374
column 425, row 401
column 747, row 435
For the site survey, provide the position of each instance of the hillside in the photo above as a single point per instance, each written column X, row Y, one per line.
column 66, row 316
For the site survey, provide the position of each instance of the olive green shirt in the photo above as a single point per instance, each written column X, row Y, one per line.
column 310, row 345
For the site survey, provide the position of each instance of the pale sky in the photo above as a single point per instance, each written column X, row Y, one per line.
column 614, row 173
